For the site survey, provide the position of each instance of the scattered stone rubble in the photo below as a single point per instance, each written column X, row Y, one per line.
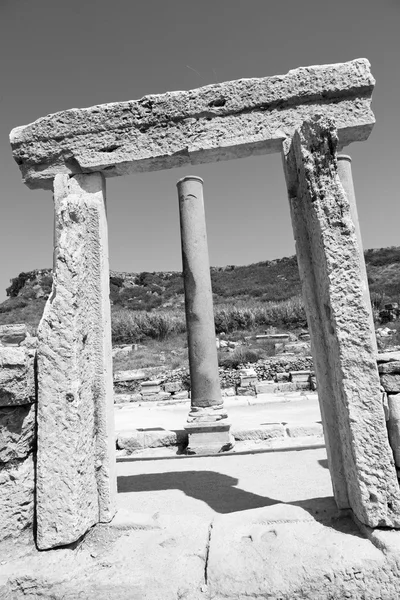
column 277, row 374
column 390, row 312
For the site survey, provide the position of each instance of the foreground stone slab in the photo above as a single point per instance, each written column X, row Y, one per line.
column 76, row 483
column 283, row 552
column 217, row 122
column 141, row 557
column 360, row 458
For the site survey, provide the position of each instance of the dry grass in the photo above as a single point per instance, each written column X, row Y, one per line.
column 135, row 326
column 170, row 354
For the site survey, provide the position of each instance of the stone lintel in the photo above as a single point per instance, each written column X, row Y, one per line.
column 218, row 122
column 360, row 458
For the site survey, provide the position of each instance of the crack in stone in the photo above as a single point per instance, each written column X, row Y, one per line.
column 210, row 527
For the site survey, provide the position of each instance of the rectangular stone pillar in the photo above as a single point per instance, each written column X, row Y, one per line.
column 360, row 459
column 76, row 482
column 346, row 179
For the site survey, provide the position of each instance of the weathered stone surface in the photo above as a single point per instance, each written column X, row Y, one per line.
column 267, row 432
column 141, row 557
column 292, row 386
column 391, row 383
column 265, row 387
column 76, row 484
column 385, row 357
column 248, row 381
column 393, row 425
column 389, row 367
column 13, row 334
column 344, row 171
column 173, row 386
column 17, row 431
column 154, row 396
column 183, row 395
column 129, row 375
column 209, row 438
column 17, row 379
column 136, row 440
column 216, row 122
column 150, row 390
column 245, row 391
column 304, row 429
column 359, row 455
column 17, row 482
column 282, row 377
column 282, row 552
column 300, row 376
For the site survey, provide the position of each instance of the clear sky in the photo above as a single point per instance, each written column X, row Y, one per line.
column 56, row 55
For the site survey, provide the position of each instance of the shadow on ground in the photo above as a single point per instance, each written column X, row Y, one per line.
column 219, row 491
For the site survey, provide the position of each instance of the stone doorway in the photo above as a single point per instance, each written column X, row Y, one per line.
column 306, row 115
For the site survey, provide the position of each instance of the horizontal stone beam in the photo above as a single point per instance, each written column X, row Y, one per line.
column 217, row 122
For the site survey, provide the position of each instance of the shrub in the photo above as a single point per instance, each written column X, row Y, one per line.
column 239, row 356
column 288, row 313
column 132, row 326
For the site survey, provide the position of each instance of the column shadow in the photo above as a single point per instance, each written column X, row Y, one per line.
column 217, row 490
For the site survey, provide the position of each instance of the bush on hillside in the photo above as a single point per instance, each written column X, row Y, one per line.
column 133, row 326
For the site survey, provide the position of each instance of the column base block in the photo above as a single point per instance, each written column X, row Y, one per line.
column 209, row 438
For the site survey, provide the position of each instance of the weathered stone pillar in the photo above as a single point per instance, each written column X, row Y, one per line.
column 360, row 459
column 207, row 426
column 346, row 179
column 76, row 482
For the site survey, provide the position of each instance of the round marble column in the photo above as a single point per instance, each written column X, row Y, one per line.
column 346, row 179
column 207, row 410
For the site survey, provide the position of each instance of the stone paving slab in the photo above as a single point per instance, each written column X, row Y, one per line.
column 290, row 552
column 284, row 552
column 294, row 421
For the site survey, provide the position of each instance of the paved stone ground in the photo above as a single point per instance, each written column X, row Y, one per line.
column 269, row 420
column 240, row 526
column 207, row 486
column 231, row 527
column 266, row 408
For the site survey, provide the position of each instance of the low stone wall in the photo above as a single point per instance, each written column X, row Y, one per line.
column 17, row 430
column 277, row 374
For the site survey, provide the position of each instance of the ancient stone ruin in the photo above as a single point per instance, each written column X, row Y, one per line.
column 308, row 116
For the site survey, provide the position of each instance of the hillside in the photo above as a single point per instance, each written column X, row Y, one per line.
column 273, row 280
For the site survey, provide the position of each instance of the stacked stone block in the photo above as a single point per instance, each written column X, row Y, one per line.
column 389, row 373
column 134, row 386
column 17, row 430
